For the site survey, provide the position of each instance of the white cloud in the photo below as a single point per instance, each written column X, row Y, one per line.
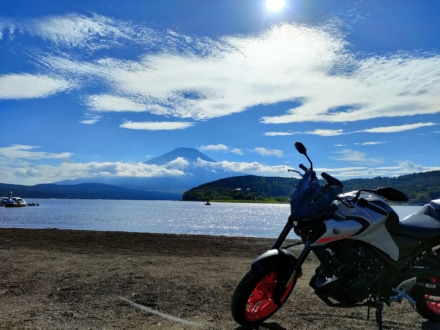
column 73, row 30
column 386, row 87
column 214, row 147
column 19, row 171
column 178, row 163
column 156, row 125
column 175, row 75
column 28, row 174
column 405, row 167
column 237, row 151
column 268, row 152
column 90, row 119
column 356, row 156
column 27, row 86
column 221, row 147
column 214, row 78
column 395, row 129
column 326, row 132
column 107, row 103
column 278, row 133
column 411, row 167
column 27, row 152
column 245, row 167
column 232, row 75
column 371, row 143
column 201, row 78
column 384, row 129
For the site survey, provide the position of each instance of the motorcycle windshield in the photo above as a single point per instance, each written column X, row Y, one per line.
column 310, row 200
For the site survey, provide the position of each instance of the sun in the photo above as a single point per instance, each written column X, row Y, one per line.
column 275, row 5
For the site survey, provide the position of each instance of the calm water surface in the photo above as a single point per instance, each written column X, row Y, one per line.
column 168, row 217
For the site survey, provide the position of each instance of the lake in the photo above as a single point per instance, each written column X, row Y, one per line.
column 168, row 217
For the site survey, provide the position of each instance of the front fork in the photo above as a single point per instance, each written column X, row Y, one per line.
column 304, row 252
column 284, row 233
column 277, row 257
column 297, row 271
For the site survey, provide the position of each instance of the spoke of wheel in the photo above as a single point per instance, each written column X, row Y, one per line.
column 260, row 304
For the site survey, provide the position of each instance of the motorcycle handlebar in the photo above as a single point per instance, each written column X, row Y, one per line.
column 301, row 166
column 331, row 180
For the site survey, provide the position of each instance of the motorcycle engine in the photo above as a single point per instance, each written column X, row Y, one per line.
column 349, row 273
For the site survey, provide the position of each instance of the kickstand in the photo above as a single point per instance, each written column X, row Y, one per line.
column 378, row 305
column 379, row 311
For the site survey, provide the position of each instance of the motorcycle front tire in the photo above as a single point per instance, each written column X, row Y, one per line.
column 252, row 302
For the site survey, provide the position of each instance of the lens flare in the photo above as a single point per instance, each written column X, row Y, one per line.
column 275, row 5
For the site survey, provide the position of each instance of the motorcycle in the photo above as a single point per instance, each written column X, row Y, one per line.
column 367, row 256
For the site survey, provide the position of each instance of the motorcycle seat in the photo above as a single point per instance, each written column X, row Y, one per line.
column 424, row 224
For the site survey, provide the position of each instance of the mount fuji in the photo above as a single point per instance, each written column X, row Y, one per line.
column 193, row 166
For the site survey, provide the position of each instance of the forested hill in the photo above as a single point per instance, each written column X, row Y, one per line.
column 419, row 187
column 83, row 191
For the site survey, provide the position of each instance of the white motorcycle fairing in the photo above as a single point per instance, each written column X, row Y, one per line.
column 380, row 227
column 361, row 223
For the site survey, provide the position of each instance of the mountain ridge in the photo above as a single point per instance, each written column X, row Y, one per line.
column 419, row 187
column 190, row 154
column 183, row 187
column 194, row 175
column 84, row 191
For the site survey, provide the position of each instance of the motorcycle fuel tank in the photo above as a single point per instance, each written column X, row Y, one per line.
column 336, row 230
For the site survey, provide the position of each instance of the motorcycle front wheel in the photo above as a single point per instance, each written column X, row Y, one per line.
column 254, row 301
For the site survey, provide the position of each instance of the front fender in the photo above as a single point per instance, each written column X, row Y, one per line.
column 275, row 259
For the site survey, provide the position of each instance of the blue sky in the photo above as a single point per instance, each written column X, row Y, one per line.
column 96, row 88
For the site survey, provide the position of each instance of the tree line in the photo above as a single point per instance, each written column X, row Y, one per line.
column 419, row 187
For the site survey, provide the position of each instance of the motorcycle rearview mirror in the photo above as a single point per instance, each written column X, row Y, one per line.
column 303, row 151
column 300, row 148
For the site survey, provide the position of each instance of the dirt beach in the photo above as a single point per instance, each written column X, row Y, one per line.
column 63, row 279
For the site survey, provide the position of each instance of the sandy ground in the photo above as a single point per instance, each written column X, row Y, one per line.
column 61, row 279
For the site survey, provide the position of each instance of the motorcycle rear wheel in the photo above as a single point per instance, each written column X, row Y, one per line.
column 429, row 306
column 253, row 302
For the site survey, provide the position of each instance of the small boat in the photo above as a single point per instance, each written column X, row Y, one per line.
column 207, row 203
column 12, row 201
